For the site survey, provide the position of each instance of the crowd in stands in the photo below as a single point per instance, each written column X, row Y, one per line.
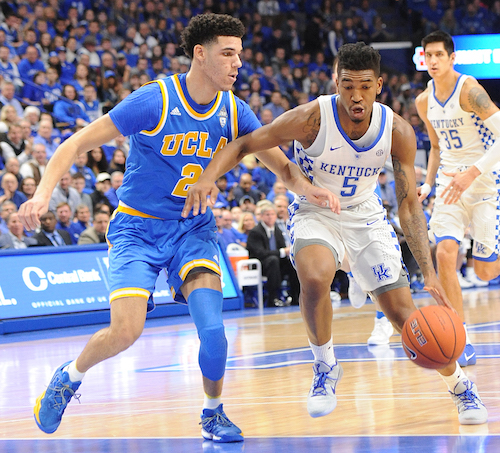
column 65, row 63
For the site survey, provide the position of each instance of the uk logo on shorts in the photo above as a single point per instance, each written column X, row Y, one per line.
column 480, row 249
column 382, row 272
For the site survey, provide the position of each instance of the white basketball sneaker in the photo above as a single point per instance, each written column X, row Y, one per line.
column 382, row 332
column 463, row 282
column 357, row 296
column 471, row 410
column 471, row 276
column 322, row 399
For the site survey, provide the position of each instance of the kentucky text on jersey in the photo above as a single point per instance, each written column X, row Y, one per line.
column 348, row 170
column 447, row 123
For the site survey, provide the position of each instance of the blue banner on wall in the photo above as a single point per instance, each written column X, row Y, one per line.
column 476, row 55
column 68, row 281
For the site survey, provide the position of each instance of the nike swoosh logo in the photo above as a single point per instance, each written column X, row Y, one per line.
column 333, row 149
column 413, row 355
column 486, row 198
column 371, row 223
column 468, row 357
column 432, row 106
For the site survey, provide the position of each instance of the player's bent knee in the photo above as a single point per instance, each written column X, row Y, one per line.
column 213, row 352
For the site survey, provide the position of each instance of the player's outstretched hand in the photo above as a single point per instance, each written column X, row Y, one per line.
column 458, row 185
column 436, row 290
column 196, row 198
column 31, row 211
column 323, row 198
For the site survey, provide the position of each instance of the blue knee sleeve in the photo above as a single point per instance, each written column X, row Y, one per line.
column 205, row 307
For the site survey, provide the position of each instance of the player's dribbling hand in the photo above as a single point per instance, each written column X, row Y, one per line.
column 31, row 211
column 323, row 198
column 436, row 290
column 196, row 198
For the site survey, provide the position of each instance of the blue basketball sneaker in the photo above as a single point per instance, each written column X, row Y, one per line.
column 468, row 357
column 217, row 427
column 50, row 405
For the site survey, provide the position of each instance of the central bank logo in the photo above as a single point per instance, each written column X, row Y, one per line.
column 36, row 279
column 4, row 301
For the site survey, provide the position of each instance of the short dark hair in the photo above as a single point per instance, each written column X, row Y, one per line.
column 358, row 57
column 440, row 36
column 206, row 28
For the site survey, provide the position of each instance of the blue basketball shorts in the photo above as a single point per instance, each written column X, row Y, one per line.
column 140, row 246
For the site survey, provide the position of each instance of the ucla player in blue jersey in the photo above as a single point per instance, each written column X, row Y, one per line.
column 463, row 125
column 341, row 143
column 176, row 125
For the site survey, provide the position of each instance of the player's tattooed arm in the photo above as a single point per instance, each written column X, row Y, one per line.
column 479, row 100
column 311, row 127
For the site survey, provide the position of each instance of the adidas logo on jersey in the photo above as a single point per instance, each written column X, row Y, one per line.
column 176, row 112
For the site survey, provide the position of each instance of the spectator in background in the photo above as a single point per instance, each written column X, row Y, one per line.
column 15, row 238
column 35, row 167
column 80, row 166
column 34, row 94
column 8, row 190
column 245, row 225
column 13, row 145
column 32, row 117
column 12, row 166
column 91, row 105
column 6, row 208
column 7, row 97
column 8, row 69
column 118, row 161
column 8, row 116
column 28, row 187
column 387, row 192
column 78, row 182
column 244, row 188
column 65, row 66
column 44, row 137
column 280, row 189
column 65, row 221
column 109, row 90
column 70, row 111
column 116, row 182
column 81, row 79
column 266, row 116
column 102, row 185
column 49, row 235
column 225, row 196
column 266, row 243
column 64, row 193
column 31, row 64
column 97, row 161
column 275, row 104
column 82, row 219
column 97, row 233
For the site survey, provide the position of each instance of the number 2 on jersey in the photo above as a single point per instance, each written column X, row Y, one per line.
column 451, row 137
column 191, row 173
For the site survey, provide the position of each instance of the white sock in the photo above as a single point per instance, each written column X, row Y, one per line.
column 74, row 374
column 467, row 339
column 457, row 376
column 211, row 402
column 324, row 353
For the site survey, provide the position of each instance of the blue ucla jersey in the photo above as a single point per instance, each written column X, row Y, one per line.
column 172, row 140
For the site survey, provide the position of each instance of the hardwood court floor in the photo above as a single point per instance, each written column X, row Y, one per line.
column 149, row 397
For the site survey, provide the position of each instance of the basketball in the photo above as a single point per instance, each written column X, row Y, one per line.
column 433, row 337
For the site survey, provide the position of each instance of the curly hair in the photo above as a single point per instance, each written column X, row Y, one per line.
column 358, row 57
column 440, row 36
column 206, row 28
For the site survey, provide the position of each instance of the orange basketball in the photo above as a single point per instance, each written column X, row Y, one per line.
column 433, row 337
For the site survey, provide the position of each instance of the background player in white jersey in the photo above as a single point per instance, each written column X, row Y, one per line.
column 462, row 123
column 175, row 125
column 341, row 143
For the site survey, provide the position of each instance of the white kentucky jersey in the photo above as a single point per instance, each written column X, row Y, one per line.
column 463, row 137
column 348, row 168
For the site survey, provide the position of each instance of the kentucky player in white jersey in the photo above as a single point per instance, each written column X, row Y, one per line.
column 341, row 144
column 462, row 123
